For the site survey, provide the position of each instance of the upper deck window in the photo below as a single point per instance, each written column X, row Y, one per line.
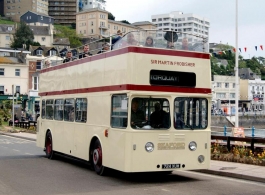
column 191, row 113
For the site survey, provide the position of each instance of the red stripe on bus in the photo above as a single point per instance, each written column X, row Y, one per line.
column 141, row 50
column 129, row 87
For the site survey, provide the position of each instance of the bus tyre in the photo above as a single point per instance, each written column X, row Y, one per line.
column 48, row 146
column 97, row 158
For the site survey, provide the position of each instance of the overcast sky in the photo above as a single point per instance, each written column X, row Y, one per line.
column 221, row 13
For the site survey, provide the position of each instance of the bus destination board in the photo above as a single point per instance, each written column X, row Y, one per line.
column 172, row 78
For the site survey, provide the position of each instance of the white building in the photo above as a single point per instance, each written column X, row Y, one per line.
column 223, row 91
column 183, row 23
column 12, row 72
column 252, row 91
column 89, row 4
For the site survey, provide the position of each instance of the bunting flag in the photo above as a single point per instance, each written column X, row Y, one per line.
column 211, row 55
column 234, row 50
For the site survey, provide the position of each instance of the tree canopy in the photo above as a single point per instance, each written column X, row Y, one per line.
column 125, row 21
column 23, row 35
column 110, row 16
column 256, row 64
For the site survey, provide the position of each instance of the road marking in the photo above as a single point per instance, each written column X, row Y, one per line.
column 16, row 150
column 17, row 138
column 28, row 154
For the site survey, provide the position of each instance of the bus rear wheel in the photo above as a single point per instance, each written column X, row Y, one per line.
column 97, row 158
column 48, row 146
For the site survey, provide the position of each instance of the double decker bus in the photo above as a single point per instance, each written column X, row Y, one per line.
column 135, row 108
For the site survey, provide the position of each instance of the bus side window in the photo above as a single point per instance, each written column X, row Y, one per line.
column 119, row 111
column 81, row 110
column 49, row 109
column 69, row 110
column 43, row 109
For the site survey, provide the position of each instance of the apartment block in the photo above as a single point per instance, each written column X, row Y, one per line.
column 63, row 11
column 89, row 4
column 186, row 24
column 13, row 9
column 95, row 23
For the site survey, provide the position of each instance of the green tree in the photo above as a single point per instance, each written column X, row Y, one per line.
column 23, row 35
column 36, row 44
column 73, row 25
column 65, row 31
column 110, row 16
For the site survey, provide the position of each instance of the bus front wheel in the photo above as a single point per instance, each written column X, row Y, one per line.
column 48, row 146
column 97, row 158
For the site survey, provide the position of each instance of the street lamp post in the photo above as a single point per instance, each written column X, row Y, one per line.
column 236, row 69
column 13, row 109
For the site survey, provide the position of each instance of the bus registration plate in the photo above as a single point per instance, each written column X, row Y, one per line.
column 170, row 166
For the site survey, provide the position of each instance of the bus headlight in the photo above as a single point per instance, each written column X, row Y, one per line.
column 201, row 158
column 192, row 146
column 149, row 147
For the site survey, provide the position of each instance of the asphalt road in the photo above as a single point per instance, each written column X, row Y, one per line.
column 25, row 171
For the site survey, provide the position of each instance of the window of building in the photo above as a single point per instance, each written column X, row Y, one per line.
column 7, row 38
column 38, row 65
column 84, row 31
column 226, row 85
column 58, row 109
column 17, row 89
column 17, row 72
column 119, row 111
column 53, row 52
column 92, row 31
column 49, row 109
column 232, row 95
column 153, row 20
column 39, row 52
column 35, row 83
column 43, row 38
column 92, row 23
column 9, row 28
column 81, row 110
column 2, row 71
column 220, row 95
column 2, row 90
column 69, row 110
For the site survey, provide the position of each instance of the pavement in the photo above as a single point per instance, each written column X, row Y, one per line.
column 221, row 168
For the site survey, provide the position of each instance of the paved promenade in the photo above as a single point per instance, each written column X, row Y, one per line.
column 222, row 168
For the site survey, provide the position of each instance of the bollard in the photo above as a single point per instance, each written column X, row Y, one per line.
column 225, row 130
column 253, row 131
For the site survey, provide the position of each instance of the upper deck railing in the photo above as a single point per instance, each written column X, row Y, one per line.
column 142, row 38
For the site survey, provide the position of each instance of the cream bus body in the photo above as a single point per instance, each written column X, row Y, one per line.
column 127, row 71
